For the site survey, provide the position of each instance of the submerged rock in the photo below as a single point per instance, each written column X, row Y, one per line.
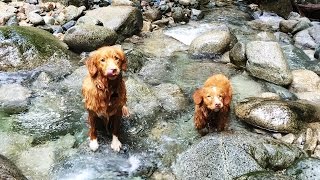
column 229, row 155
column 276, row 115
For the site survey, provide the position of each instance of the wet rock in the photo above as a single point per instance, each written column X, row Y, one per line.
column 272, row 67
column 264, row 175
column 8, row 170
column 124, row 20
column 196, row 14
column 281, row 91
column 89, row 37
column 304, row 81
column 238, row 55
column 37, row 161
column 179, row 15
column 317, row 53
column 12, row 144
column 142, row 101
column 265, row 36
column 229, row 155
column 245, row 86
column 307, row 168
column 29, row 48
column 276, row 115
column 210, row 44
column 282, row 7
column 303, row 24
column 135, row 59
column 310, row 141
column 13, row 21
column 155, row 71
column 314, row 32
column 170, row 97
column 270, row 19
column 14, row 98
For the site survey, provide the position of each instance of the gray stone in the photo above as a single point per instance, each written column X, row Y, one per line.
column 304, row 40
column 238, row 55
column 152, row 14
column 313, row 96
column 314, row 32
column 73, row 12
column 305, row 169
column 288, row 138
column 265, row 36
column 210, row 44
column 196, row 14
column 14, row 98
column 124, row 20
column 170, row 97
column 287, row 26
column 304, row 81
column 179, row 15
column 154, row 71
column 276, row 115
column 229, row 155
column 317, row 53
column 303, row 24
column 284, row 93
column 8, row 170
column 88, row 20
column 89, row 37
column 35, row 18
column 267, row 61
column 49, row 20
column 264, row 175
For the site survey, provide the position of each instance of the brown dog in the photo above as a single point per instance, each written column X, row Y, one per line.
column 212, row 103
column 104, row 92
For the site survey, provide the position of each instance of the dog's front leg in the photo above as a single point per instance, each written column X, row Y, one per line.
column 115, row 143
column 92, row 131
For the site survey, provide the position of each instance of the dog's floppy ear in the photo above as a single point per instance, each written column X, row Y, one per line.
column 91, row 65
column 198, row 96
column 228, row 96
column 122, row 57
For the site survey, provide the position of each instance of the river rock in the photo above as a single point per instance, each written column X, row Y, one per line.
column 14, row 98
column 125, row 20
column 303, row 24
column 12, row 144
column 35, row 18
column 281, row 91
column 264, row 175
column 276, row 115
column 210, row 44
column 155, row 71
column 229, row 155
column 89, row 37
column 314, row 32
column 304, row 40
column 304, row 81
column 8, row 170
column 73, row 12
column 287, row 26
column 29, row 48
column 317, row 53
column 170, row 97
column 238, row 55
column 267, row 61
column 305, row 169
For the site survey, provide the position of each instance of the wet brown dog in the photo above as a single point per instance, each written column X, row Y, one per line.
column 104, row 92
column 212, row 103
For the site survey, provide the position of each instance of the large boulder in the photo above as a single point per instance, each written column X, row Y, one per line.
column 305, row 169
column 276, row 115
column 267, row 61
column 229, row 155
column 30, row 48
column 125, row 20
column 89, row 37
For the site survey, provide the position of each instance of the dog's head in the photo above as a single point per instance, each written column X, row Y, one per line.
column 213, row 97
column 109, row 61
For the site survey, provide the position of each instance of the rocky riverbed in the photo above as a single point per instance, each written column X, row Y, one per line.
column 172, row 48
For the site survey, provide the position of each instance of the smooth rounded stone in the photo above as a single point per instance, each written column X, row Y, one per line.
column 35, row 18
column 13, row 21
column 263, row 175
column 4, row 17
column 287, row 26
column 270, row 95
column 14, row 98
column 122, row 3
column 276, row 115
column 314, row 32
column 135, row 59
column 304, row 81
column 288, row 138
column 179, row 15
column 73, row 12
column 4, row 7
column 57, row 29
column 283, row 38
column 238, row 55
column 8, row 170
column 270, row 19
column 125, row 20
column 310, row 54
column 305, row 169
column 210, row 44
column 309, row 96
column 294, row 16
column 304, row 40
column 230, row 155
column 49, row 20
column 260, row 25
column 303, row 24
column 267, row 61
column 89, row 37
column 170, row 97
column 88, row 20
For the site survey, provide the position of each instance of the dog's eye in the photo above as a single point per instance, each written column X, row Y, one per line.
column 102, row 60
column 208, row 96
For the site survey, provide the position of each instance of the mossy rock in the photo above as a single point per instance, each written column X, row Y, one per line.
column 27, row 48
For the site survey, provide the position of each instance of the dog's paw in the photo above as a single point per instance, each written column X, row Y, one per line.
column 94, row 144
column 115, row 144
column 125, row 111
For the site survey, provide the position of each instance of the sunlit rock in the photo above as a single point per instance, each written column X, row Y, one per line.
column 304, row 81
column 267, row 61
column 308, row 168
column 276, row 115
column 229, row 155
column 12, row 144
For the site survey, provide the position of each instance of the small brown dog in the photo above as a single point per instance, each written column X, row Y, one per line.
column 212, row 103
column 104, row 92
